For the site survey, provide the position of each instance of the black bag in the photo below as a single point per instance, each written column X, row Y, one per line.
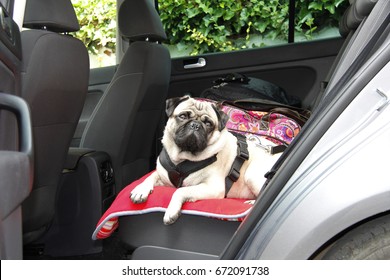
column 255, row 94
column 236, row 86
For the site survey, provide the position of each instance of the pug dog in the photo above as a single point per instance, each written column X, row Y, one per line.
column 195, row 133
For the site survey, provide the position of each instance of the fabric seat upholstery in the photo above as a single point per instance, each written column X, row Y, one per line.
column 54, row 83
column 125, row 120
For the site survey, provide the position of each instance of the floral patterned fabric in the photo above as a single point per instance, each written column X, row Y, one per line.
column 276, row 127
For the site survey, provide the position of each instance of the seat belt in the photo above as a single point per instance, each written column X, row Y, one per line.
column 241, row 157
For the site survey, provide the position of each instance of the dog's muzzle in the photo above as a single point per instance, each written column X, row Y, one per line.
column 191, row 137
column 195, row 125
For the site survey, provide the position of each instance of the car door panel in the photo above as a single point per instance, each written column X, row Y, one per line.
column 15, row 141
column 298, row 68
column 10, row 61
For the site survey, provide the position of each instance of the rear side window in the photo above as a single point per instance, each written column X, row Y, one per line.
column 205, row 26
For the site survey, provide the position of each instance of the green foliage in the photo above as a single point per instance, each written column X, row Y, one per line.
column 203, row 26
column 311, row 15
column 212, row 26
column 97, row 24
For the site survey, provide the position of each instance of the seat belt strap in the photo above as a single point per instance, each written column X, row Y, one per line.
column 242, row 156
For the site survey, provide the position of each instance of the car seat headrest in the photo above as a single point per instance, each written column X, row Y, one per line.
column 54, row 15
column 138, row 20
column 355, row 14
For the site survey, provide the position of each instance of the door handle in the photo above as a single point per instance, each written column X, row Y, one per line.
column 195, row 63
column 20, row 109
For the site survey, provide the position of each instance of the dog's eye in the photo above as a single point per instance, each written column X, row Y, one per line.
column 183, row 116
column 208, row 123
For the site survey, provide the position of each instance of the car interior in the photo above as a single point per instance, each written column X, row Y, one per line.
column 78, row 136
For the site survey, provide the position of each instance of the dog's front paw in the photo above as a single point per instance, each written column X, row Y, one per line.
column 174, row 208
column 138, row 197
column 140, row 194
column 170, row 218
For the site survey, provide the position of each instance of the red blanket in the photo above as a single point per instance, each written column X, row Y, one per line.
column 226, row 209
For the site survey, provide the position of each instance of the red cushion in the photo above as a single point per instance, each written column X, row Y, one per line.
column 228, row 209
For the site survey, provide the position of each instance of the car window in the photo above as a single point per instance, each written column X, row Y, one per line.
column 97, row 20
column 5, row 4
column 196, row 27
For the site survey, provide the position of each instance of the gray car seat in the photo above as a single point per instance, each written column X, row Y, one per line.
column 54, row 84
column 125, row 120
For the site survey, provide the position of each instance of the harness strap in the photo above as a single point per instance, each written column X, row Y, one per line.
column 242, row 156
column 177, row 173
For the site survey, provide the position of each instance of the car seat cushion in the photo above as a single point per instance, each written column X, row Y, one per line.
column 228, row 209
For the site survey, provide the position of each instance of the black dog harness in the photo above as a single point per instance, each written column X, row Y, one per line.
column 177, row 173
column 242, row 156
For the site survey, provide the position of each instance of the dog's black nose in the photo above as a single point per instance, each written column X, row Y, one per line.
column 194, row 125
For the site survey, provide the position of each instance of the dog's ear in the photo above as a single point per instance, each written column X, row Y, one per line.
column 172, row 103
column 222, row 116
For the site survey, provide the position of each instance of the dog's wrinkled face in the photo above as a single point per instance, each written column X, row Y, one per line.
column 192, row 123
